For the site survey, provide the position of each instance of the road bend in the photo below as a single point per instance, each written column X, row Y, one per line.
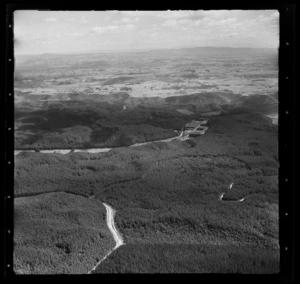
column 229, row 187
column 110, row 215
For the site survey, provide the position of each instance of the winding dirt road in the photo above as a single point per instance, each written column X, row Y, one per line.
column 111, row 225
column 182, row 136
column 222, row 194
column 110, row 215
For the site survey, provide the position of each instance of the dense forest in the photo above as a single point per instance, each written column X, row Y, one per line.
column 167, row 196
column 189, row 258
column 88, row 125
column 59, row 233
column 119, row 120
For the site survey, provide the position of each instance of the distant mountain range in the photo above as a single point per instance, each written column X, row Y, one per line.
column 210, row 49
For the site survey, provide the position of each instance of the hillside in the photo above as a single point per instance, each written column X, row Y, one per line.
column 89, row 124
column 141, row 258
column 59, row 233
column 205, row 203
column 168, row 193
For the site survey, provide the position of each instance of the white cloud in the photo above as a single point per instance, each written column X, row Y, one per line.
column 190, row 19
column 70, row 20
column 83, row 20
column 268, row 20
column 101, row 30
column 129, row 27
column 153, row 34
column 211, row 22
column 113, row 28
column 218, row 23
column 195, row 15
column 176, row 14
column 113, row 11
column 137, row 13
column 162, row 28
column 217, row 13
column 130, row 13
column 218, row 26
column 170, row 23
column 51, row 19
column 126, row 20
column 77, row 34
column 49, row 41
column 129, row 20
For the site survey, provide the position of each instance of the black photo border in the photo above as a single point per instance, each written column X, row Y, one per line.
column 287, row 127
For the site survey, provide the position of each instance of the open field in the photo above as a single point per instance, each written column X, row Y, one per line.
column 151, row 74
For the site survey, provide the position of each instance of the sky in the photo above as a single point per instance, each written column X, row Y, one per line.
column 38, row 32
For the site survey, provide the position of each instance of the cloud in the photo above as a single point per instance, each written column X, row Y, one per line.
column 142, row 28
column 77, row 34
column 170, row 23
column 269, row 20
column 221, row 22
column 176, row 14
column 190, row 19
column 113, row 11
column 83, row 20
column 113, row 28
column 129, row 20
column 129, row 27
column 137, row 13
column 216, row 14
column 211, row 22
column 194, row 14
column 129, row 13
column 154, row 34
column 218, row 26
column 126, row 20
column 51, row 19
column 101, row 30
column 70, row 19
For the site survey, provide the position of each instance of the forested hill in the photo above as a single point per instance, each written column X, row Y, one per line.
column 168, row 193
column 120, row 120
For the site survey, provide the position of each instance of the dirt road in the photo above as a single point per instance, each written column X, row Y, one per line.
column 110, row 215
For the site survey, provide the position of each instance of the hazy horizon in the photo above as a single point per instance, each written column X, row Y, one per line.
column 39, row 32
column 142, row 50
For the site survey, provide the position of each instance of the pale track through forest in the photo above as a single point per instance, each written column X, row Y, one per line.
column 110, row 215
column 182, row 136
column 222, row 195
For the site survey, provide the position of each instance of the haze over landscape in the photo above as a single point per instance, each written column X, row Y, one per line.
column 85, row 31
column 146, row 142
